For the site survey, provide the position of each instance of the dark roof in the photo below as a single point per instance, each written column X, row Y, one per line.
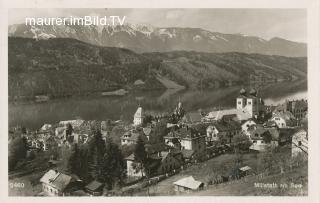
column 253, row 91
column 230, row 116
column 242, row 91
column 187, row 153
column 227, row 126
column 192, row 117
column 94, row 185
column 154, row 148
column 131, row 157
column 184, row 132
column 270, row 123
column 133, row 136
column 261, row 131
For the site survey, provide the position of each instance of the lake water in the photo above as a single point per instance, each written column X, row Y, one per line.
column 33, row 115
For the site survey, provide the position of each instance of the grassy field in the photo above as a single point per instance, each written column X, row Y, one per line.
column 221, row 166
column 293, row 179
column 28, row 185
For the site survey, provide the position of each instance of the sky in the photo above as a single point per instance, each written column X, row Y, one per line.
column 290, row 24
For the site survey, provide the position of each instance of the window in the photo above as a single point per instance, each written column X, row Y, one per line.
column 249, row 102
column 239, row 102
column 299, row 143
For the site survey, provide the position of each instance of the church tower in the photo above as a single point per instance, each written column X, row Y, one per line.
column 241, row 99
column 138, row 117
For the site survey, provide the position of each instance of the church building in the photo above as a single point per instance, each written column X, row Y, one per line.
column 250, row 103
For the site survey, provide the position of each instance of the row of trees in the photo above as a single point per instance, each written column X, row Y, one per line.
column 97, row 160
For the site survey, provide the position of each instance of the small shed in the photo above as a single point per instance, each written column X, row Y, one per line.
column 244, row 171
column 187, row 184
column 94, row 188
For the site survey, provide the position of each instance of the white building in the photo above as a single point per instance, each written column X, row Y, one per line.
column 187, row 138
column 263, row 138
column 138, row 117
column 131, row 137
column 222, row 131
column 283, row 119
column 250, row 102
column 134, row 168
column 55, row 183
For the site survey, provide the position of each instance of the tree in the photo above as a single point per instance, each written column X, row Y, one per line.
column 147, row 119
column 96, row 151
column 160, row 130
column 73, row 163
column 69, row 130
column 17, row 151
column 267, row 137
column 83, row 170
column 140, row 154
column 240, row 143
column 113, row 165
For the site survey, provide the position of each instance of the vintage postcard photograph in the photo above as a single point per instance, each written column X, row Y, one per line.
column 122, row 102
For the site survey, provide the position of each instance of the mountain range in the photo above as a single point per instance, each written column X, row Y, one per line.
column 146, row 38
column 61, row 67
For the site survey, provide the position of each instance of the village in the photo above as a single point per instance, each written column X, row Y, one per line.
column 175, row 153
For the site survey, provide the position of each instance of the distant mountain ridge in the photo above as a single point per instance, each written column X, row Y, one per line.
column 65, row 67
column 146, row 38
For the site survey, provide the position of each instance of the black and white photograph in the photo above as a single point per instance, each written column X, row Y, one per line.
column 123, row 102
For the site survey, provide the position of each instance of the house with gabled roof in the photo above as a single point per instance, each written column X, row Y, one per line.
column 235, row 114
column 55, row 183
column 262, row 138
column 187, row 184
column 94, row 188
column 131, row 137
column 222, row 131
column 187, row 138
column 284, row 119
column 192, row 117
column 157, row 163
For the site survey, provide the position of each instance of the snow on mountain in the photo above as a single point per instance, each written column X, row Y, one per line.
column 148, row 38
column 166, row 32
